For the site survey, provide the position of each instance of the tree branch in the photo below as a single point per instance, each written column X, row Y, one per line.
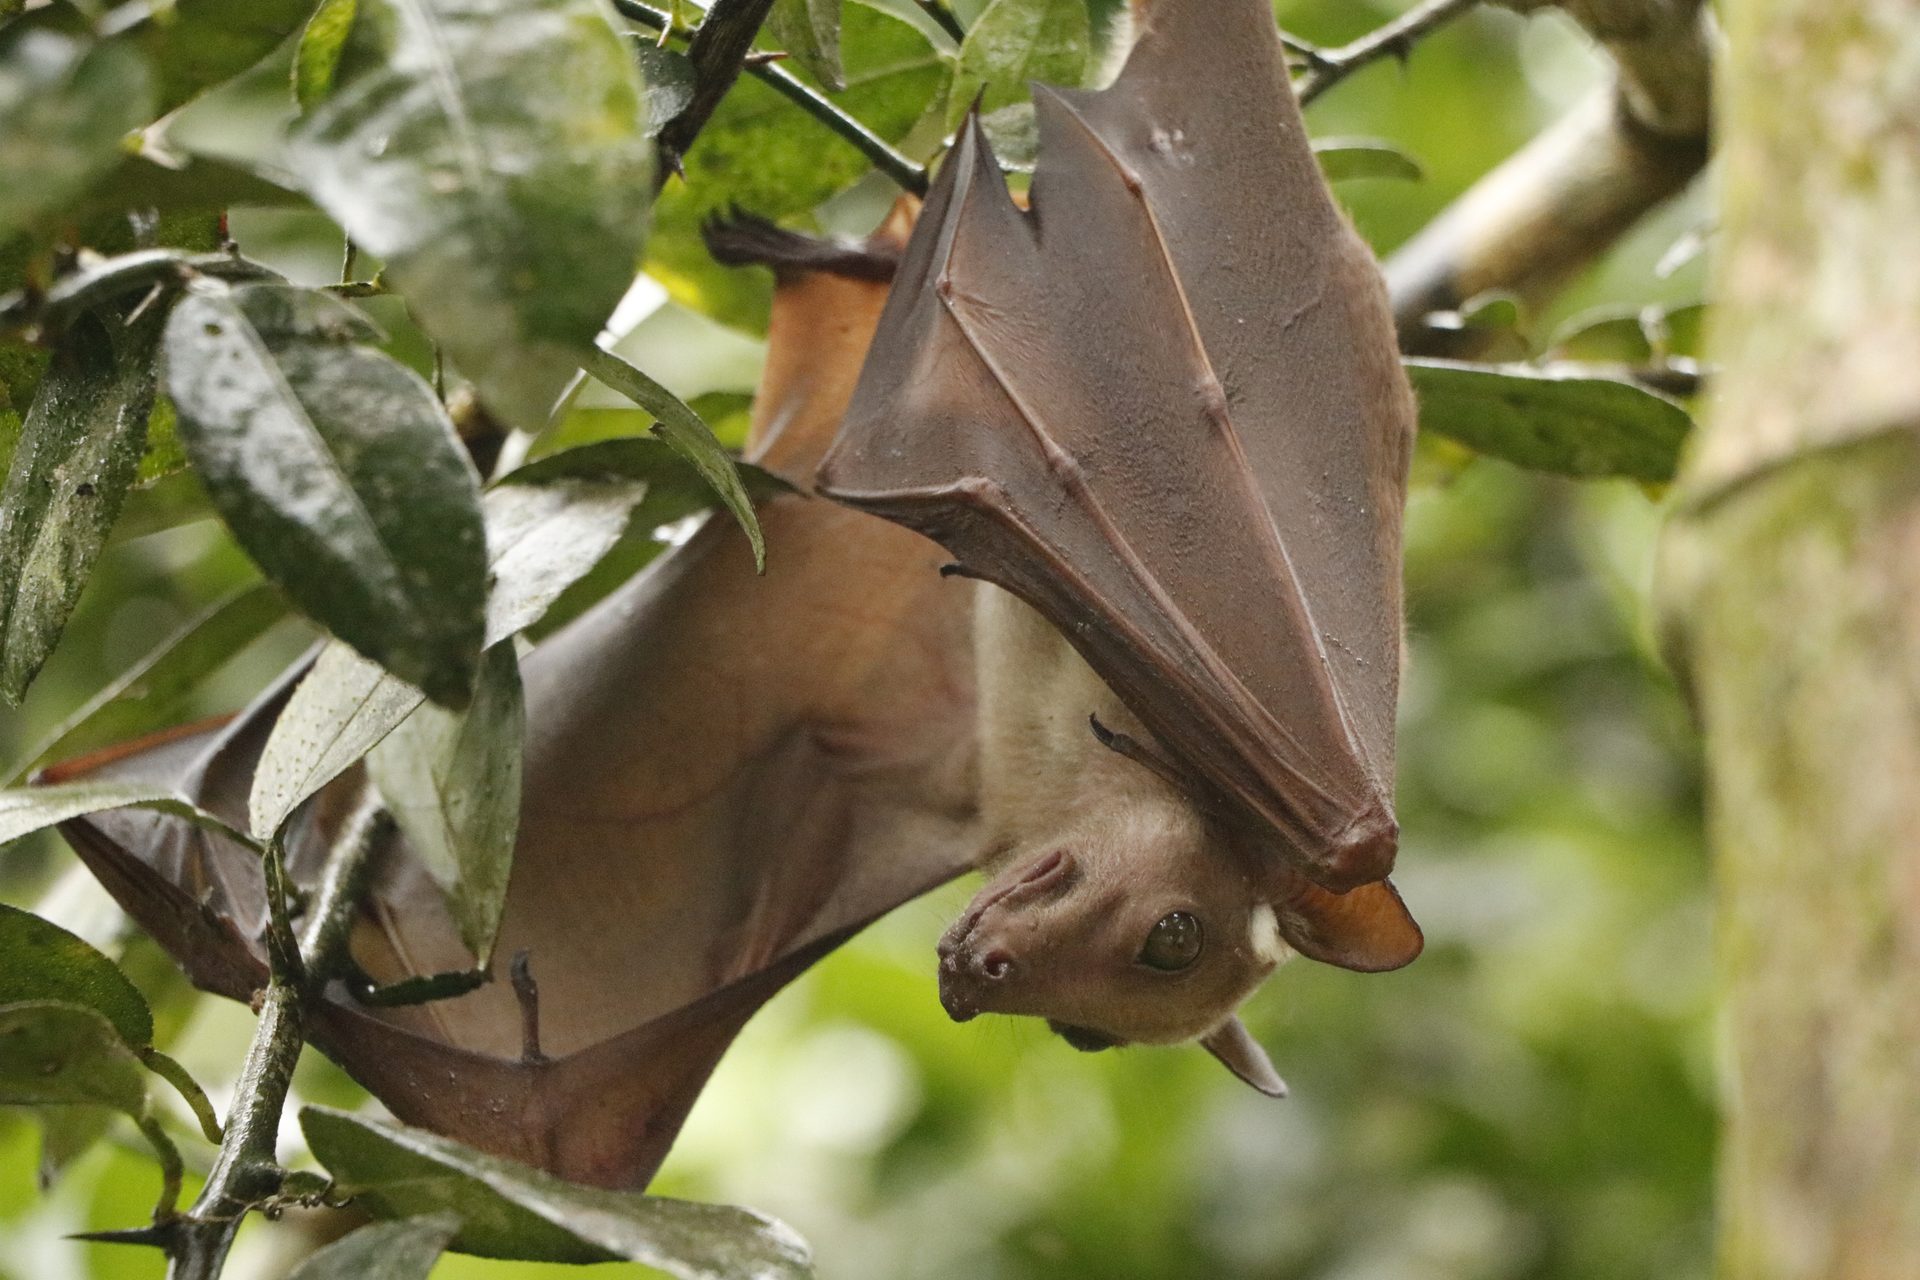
column 905, row 173
column 1567, row 196
column 247, row 1170
column 1328, row 67
column 718, row 50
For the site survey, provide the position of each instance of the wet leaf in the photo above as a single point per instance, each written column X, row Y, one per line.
column 339, row 473
column 810, row 31
column 151, row 694
column 1344, row 159
column 404, row 1250
column 493, row 154
column 1558, row 419
column 668, row 77
column 41, row 961
column 66, row 103
column 682, row 428
column 1016, row 42
column 451, row 779
column 78, row 451
column 58, row 1054
column 508, row 1210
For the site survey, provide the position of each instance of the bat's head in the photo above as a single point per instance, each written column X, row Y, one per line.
column 1131, row 924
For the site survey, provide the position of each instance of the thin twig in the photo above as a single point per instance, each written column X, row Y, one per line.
column 247, row 1170
column 943, row 18
column 908, row 175
column 1328, row 67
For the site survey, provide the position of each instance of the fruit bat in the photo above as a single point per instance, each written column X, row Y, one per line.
column 726, row 776
column 1162, row 407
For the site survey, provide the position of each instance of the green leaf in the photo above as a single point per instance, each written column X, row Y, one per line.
column 56, row 1054
column 452, row 782
column 197, row 44
column 1552, row 419
column 1681, row 332
column 682, row 428
column 65, row 105
column 77, row 453
column 810, row 31
column 152, row 693
column 41, row 961
column 404, row 1250
column 1014, row 43
column 761, row 152
column 508, row 1210
column 338, row 713
column 171, row 184
column 1344, row 159
column 318, row 55
column 338, row 471
column 25, row 810
column 551, row 521
column 493, row 154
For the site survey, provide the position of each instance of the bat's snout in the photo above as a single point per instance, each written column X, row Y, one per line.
column 975, row 961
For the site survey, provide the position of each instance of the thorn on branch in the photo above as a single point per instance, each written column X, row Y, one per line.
column 527, row 992
column 1328, row 67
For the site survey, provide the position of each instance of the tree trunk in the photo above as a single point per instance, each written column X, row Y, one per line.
column 1792, row 589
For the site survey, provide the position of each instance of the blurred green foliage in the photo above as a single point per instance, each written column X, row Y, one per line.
column 1532, row 1099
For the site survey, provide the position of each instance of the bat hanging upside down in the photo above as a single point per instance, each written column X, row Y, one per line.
column 1157, row 422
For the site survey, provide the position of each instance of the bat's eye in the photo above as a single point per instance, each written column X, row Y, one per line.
column 1173, row 943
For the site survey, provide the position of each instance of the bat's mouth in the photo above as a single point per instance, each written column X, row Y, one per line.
column 969, row 965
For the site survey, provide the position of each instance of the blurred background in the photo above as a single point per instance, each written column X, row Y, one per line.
column 1533, row 1098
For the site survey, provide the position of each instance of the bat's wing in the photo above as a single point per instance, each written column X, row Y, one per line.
column 1164, row 407
column 726, row 776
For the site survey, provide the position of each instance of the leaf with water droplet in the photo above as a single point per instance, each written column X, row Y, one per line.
column 78, row 451
column 339, row 472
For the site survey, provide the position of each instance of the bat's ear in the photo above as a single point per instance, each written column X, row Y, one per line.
column 1368, row 929
column 1235, row 1046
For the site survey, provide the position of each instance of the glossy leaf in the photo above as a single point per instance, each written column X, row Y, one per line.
column 78, row 451
column 41, row 961
column 668, row 77
column 761, row 152
column 1556, row 419
column 185, row 184
column 451, row 779
column 58, row 1054
column 493, row 154
column 682, row 428
column 404, row 1250
column 24, row 810
column 1014, row 43
column 66, row 103
column 508, row 1210
column 1344, row 159
column 1615, row 335
column 151, row 694
column 338, row 471
column 810, row 31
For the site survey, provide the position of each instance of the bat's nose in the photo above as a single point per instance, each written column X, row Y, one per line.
column 969, row 977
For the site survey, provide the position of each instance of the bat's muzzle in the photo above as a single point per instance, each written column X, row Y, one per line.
column 975, row 965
